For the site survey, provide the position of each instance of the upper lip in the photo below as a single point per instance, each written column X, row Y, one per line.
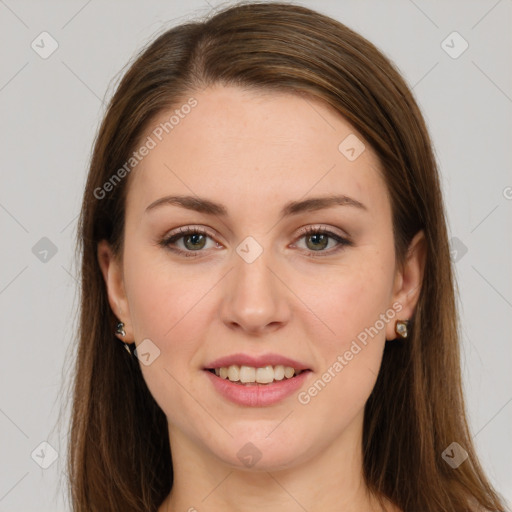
column 256, row 361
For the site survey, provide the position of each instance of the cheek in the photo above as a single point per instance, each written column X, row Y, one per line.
column 353, row 296
column 162, row 299
column 350, row 358
column 355, row 306
column 165, row 307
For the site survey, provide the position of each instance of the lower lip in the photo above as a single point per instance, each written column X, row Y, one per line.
column 257, row 395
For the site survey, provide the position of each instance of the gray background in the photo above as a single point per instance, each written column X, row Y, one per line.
column 50, row 113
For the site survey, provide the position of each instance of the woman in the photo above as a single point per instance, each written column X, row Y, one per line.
column 263, row 222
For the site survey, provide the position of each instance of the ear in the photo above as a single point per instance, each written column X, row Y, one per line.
column 408, row 279
column 113, row 276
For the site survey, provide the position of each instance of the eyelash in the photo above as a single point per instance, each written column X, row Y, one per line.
column 305, row 232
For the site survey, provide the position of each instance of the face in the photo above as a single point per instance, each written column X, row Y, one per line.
column 263, row 274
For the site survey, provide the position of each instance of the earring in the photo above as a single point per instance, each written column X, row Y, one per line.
column 120, row 329
column 401, row 328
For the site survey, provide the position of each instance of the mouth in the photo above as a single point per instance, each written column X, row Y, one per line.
column 256, row 376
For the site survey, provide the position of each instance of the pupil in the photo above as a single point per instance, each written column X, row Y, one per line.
column 318, row 238
column 196, row 239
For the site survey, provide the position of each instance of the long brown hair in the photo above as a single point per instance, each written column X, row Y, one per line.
column 119, row 452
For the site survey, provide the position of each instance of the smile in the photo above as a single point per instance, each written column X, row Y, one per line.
column 256, row 394
column 250, row 375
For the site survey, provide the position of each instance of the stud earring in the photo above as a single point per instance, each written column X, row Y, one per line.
column 120, row 329
column 401, row 328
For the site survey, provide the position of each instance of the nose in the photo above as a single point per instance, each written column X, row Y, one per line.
column 255, row 300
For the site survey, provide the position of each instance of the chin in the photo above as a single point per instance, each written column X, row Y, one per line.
column 257, row 453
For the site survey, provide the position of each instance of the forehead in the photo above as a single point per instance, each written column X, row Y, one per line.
column 255, row 149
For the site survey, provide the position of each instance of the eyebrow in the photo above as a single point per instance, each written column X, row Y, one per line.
column 209, row 207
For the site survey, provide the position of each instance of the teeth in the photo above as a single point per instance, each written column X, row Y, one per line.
column 288, row 372
column 249, row 374
column 279, row 372
column 265, row 375
column 234, row 373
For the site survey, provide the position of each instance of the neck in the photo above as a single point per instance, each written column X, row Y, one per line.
column 331, row 479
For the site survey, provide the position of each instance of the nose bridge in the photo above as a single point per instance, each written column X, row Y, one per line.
column 255, row 299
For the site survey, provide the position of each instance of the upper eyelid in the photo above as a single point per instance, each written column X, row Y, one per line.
column 322, row 227
column 302, row 231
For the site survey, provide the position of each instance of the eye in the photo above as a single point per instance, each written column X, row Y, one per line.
column 192, row 240
column 317, row 240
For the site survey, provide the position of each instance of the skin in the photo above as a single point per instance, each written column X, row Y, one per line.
column 253, row 152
